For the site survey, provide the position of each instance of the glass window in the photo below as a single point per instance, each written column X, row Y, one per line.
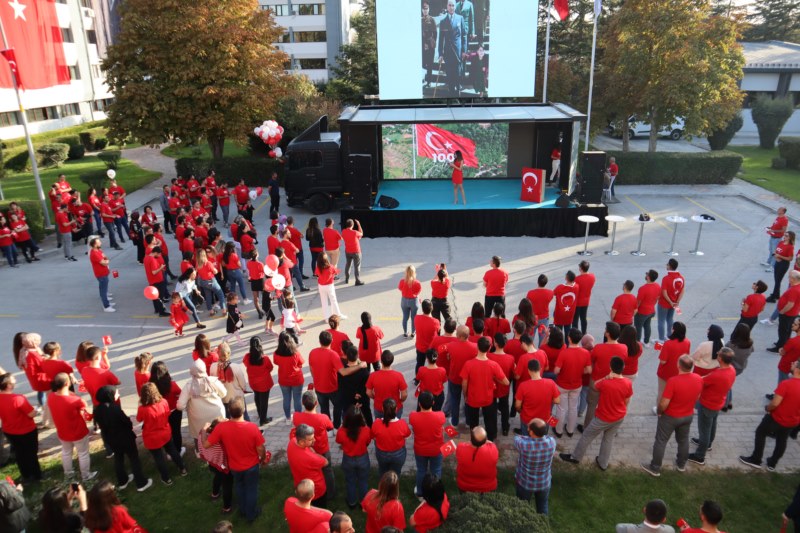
column 312, row 63
column 66, row 35
column 301, row 160
column 91, row 36
column 75, row 72
column 86, row 3
column 68, row 110
column 279, row 10
column 42, row 113
column 9, row 119
column 284, row 38
column 311, row 9
column 96, row 72
column 310, row 36
column 101, row 105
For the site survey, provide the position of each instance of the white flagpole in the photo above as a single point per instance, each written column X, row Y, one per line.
column 591, row 79
column 414, row 148
column 546, row 52
column 31, row 153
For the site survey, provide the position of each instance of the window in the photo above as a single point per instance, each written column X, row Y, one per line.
column 66, row 35
column 91, row 36
column 9, row 119
column 312, row 63
column 310, row 36
column 75, row 72
column 101, row 105
column 284, row 38
column 301, row 160
column 96, row 72
column 310, row 9
column 61, row 1
column 86, row 3
column 41, row 113
column 279, row 10
column 68, row 110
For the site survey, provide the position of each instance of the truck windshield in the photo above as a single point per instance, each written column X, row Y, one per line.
column 305, row 159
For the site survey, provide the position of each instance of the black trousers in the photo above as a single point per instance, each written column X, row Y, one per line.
column 489, row 301
column 750, row 321
column 441, row 309
column 132, row 453
column 26, row 447
column 222, row 482
column 503, row 407
column 580, row 316
column 262, row 403
column 158, row 304
column 779, row 271
column 420, row 362
column 161, row 460
column 489, row 418
column 784, row 329
column 175, row 419
column 325, row 400
column 770, row 428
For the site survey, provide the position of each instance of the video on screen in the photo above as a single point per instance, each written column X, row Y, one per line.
column 425, row 151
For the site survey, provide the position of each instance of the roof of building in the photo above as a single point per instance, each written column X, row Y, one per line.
column 438, row 114
column 771, row 56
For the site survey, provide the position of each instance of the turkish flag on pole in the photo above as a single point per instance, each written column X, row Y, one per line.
column 436, row 143
column 562, row 8
column 12, row 62
column 33, row 34
column 532, row 185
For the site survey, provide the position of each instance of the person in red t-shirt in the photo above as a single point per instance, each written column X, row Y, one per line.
column 535, row 397
column 502, row 392
column 784, row 258
column 431, row 378
column 383, row 506
column 301, row 516
column 440, row 288
column 788, row 308
column 351, row 235
column 387, row 383
column 585, row 281
column 615, row 394
column 100, row 262
column 716, row 386
column 601, row 360
column 322, row 425
column 94, row 375
column 710, row 516
column 409, row 288
column 776, row 232
column 16, row 416
column 156, row 433
column 66, row 226
column 259, row 376
column 646, row 299
column 676, row 346
column 433, row 510
column 369, row 345
column 676, row 411
column 480, row 377
column 566, row 296
column 476, row 463
column 306, row 463
column 672, row 291
column 555, row 158
column 457, row 354
column 753, row 304
column 390, row 433
column 67, row 410
column 495, row 281
column 427, row 425
column 154, row 268
column 572, row 364
column 782, row 418
column 624, row 306
column 540, row 298
column 426, row 328
column 332, row 238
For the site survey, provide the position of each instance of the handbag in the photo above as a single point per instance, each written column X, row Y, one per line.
column 197, row 297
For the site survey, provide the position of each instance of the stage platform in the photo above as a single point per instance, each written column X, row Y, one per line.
column 493, row 209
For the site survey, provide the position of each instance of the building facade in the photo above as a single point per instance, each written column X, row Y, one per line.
column 773, row 68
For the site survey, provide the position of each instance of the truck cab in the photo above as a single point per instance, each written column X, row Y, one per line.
column 314, row 169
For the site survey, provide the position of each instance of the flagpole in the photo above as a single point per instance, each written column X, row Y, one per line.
column 414, row 148
column 591, row 81
column 546, row 51
column 31, row 153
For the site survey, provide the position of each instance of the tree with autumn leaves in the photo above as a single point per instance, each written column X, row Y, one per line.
column 193, row 70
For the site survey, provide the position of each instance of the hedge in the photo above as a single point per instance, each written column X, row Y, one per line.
column 770, row 115
column 53, row 154
column 493, row 512
column 33, row 214
column 110, row 158
column 87, row 139
column 673, row 168
column 255, row 170
column 76, row 152
column 789, row 148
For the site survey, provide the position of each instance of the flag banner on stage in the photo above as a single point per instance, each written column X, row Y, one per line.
column 532, row 185
column 440, row 145
column 34, row 37
column 562, row 8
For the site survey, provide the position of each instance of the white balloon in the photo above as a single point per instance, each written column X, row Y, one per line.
column 257, row 131
column 278, row 151
column 253, row 195
column 111, row 173
column 278, row 281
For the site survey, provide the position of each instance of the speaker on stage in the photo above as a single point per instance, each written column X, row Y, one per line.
column 358, row 180
column 387, row 202
column 593, row 164
column 562, row 201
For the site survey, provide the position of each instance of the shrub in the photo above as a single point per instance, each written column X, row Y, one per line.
column 254, row 170
column 70, row 140
column 769, row 116
column 53, row 154
column 2, row 165
column 76, row 152
column 110, row 158
column 779, row 163
column 87, row 139
column 670, row 168
column 719, row 139
column 493, row 512
column 789, row 148
column 96, row 179
column 19, row 162
column 33, row 214
column 100, row 143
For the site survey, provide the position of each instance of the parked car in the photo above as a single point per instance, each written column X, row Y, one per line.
column 637, row 128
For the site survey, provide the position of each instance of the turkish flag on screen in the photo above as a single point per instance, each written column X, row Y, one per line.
column 562, row 8
column 33, row 34
column 532, row 185
column 436, row 143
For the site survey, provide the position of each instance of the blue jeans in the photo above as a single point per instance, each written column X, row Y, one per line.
column 10, row 255
column 773, row 243
column 246, row 484
column 297, row 276
column 583, row 399
column 425, row 465
column 356, row 477
column 539, row 496
column 192, row 309
column 110, row 229
column 642, row 325
column 409, row 307
column 707, row 427
column 454, row 401
column 289, row 394
column 122, row 223
column 211, row 288
column 103, row 282
column 541, row 322
column 390, row 460
column 98, row 220
column 235, row 278
column 782, row 376
column 666, row 316
column 301, row 260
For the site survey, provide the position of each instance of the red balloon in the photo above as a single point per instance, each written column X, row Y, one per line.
column 268, row 285
column 151, row 293
column 272, row 153
column 272, row 262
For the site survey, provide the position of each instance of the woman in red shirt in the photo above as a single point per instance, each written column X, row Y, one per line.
column 170, row 391
column 432, row 378
column 497, row 323
column 16, row 416
column 156, row 434
column 753, row 304
column 477, row 313
column 552, row 347
column 409, row 288
column 526, row 315
column 432, row 512
column 326, row 273
column 784, row 258
column 232, row 266
column 440, row 288
column 259, row 375
column 354, row 437
column 676, row 346
column 369, row 348
column 202, row 350
column 105, row 513
column 383, row 506
column 629, row 338
column 390, row 435
column 458, row 177
column 22, row 237
column 290, row 374
column 206, row 280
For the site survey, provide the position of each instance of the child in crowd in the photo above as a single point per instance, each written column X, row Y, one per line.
column 235, row 318
column 291, row 322
column 52, row 363
column 178, row 315
column 141, row 374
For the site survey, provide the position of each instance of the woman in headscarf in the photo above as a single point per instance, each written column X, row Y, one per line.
column 201, row 398
column 705, row 356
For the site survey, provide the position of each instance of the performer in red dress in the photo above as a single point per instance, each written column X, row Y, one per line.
column 458, row 177
column 555, row 157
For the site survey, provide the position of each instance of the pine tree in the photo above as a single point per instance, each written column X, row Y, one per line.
column 357, row 71
column 777, row 20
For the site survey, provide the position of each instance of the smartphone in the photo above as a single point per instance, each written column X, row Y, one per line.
column 75, row 487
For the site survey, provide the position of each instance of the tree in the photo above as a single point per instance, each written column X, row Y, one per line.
column 719, row 139
column 357, row 71
column 770, row 115
column 777, row 20
column 683, row 63
column 194, row 70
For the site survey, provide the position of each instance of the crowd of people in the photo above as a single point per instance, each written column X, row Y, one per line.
column 541, row 365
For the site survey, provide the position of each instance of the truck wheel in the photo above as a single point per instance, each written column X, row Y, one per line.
column 676, row 135
column 319, row 204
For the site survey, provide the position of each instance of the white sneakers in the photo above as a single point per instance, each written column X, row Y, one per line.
column 246, row 301
column 109, row 309
column 767, row 322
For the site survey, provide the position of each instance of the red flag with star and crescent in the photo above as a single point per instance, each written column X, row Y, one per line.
column 35, row 43
column 532, row 185
column 562, row 8
column 433, row 143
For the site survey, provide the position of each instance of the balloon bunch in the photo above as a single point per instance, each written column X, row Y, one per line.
column 276, row 282
column 271, row 133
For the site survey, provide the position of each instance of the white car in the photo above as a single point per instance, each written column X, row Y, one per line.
column 637, row 128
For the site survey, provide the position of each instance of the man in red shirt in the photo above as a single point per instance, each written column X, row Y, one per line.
column 476, row 463
column 601, row 366
column 672, row 287
column 117, row 205
column 305, row 463
column 535, row 397
column 783, row 416
column 332, row 239
column 64, row 226
column 321, row 424
column 624, row 306
column 646, row 299
column 716, row 385
column 301, row 516
column 494, row 280
column 530, row 353
column 154, row 270
column 540, row 299
column 775, row 232
column 66, row 409
column 296, row 236
column 244, row 446
column 502, row 392
column 387, row 383
column 273, row 242
column 427, row 328
column 615, row 394
column 572, row 364
column 16, row 416
column 457, row 353
column 585, row 281
column 676, row 411
column 100, row 262
column 351, row 235
column 325, row 364
column 479, row 378
column 788, row 310
column 242, row 194
column 223, row 199
column 613, row 170
column 566, row 296
column 427, row 425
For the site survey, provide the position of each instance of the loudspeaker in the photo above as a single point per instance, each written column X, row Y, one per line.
column 562, row 201
column 358, row 180
column 593, row 165
column 387, row 202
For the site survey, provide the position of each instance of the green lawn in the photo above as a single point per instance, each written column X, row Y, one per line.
column 202, row 151
column 581, row 500
column 757, row 169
